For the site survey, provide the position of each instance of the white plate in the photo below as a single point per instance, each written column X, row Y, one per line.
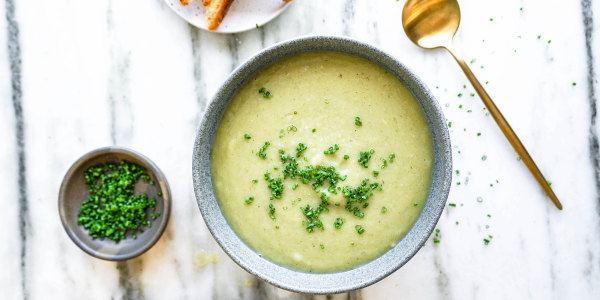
column 242, row 14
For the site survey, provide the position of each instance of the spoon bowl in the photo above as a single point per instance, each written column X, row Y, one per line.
column 431, row 24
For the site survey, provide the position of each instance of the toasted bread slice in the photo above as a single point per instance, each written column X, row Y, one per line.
column 215, row 11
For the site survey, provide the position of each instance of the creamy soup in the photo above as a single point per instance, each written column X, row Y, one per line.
column 322, row 161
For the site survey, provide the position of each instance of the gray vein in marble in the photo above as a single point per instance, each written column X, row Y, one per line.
column 348, row 16
column 355, row 295
column 200, row 86
column 118, row 84
column 588, row 22
column 128, row 282
column 551, row 248
column 443, row 281
column 14, row 56
column 232, row 45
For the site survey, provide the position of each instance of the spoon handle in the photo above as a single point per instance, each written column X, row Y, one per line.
column 507, row 130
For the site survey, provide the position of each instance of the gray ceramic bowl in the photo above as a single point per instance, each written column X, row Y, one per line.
column 73, row 192
column 321, row 283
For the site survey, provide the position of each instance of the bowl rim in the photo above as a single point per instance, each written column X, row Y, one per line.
column 296, row 280
column 161, row 180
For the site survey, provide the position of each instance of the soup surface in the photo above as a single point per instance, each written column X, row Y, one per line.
column 322, row 161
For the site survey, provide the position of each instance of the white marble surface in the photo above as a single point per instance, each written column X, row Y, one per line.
column 77, row 75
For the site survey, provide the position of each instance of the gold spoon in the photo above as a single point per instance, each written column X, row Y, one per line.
column 432, row 24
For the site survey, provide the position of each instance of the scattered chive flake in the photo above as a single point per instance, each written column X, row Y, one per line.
column 484, row 157
column 392, row 156
column 539, row 37
column 332, row 149
column 357, row 121
column 472, row 94
column 249, row 200
column 549, row 183
column 459, row 95
column 486, row 241
column 271, row 211
column 301, row 147
column 346, row 156
column 384, row 164
column 159, row 194
column 449, row 124
column 254, row 180
column 359, row 229
column 415, row 203
column 452, row 204
column 384, row 209
column 247, row 136
column 574, row 83
column 321, row 245
column 549, row 41
column 266, row 94
column 489, row 216
column 294, row 186
column 261, row 152
column 364, row 158
column 375, row 173
column 479, row 134
column 338, row 223
column 314, row 129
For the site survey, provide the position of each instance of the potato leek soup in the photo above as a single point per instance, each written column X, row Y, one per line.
column 322, row 161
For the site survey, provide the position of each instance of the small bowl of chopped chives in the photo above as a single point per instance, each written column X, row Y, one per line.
column 114, row 203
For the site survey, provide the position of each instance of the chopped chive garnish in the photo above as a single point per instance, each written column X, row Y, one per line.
column 357, row 121
column 261, row 152
column 359, row 229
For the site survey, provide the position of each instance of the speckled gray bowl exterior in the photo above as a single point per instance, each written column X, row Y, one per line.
column 321, row 283
column 73, row 192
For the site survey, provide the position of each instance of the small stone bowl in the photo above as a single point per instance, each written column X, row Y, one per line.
column 73, row 192
column 321, row 283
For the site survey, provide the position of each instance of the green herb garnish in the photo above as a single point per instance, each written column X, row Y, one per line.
column 357, row 121
column 266, row 94
column 359, row 229
column 261, row 152
column 112, row 208
column 271, row 211
column 357, row 198
column 332, row 149
column 312, row 214
column 338, row 222
column 364, row 158
column 301, row 147
column 247, row 136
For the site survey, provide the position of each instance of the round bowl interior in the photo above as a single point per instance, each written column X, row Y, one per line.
column 73, row 193
column 321, row 283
